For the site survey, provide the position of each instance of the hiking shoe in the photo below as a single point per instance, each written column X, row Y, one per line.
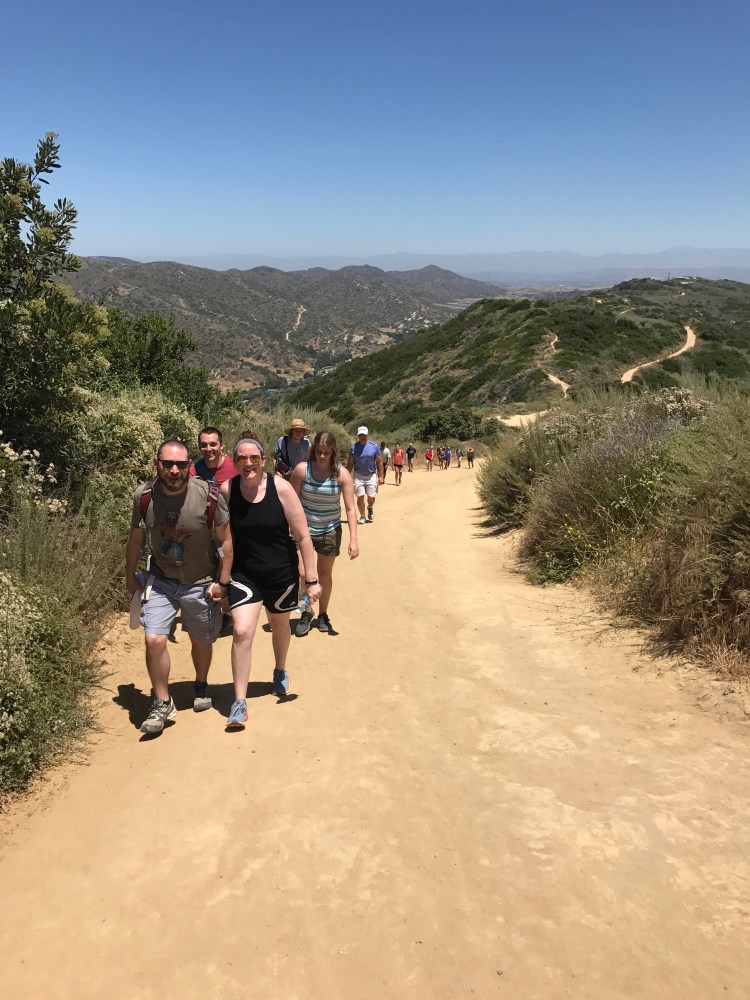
column 362, row 520
column 280, row 683
column 161, row 712
column 303, row 625
column 227, row 626
column 237, row 715
column 370, row 514
column 202, row 700
column 324, row 622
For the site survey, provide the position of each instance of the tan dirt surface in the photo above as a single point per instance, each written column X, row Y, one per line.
column 475, row 794
column 690, row 339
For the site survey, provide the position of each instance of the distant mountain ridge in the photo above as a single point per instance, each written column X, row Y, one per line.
column 528, row 267
column 264, row 322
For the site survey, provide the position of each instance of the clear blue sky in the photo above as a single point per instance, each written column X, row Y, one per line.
column 294, row 127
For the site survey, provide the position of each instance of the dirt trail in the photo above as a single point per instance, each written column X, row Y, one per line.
column 689, row 344
column 474, row 795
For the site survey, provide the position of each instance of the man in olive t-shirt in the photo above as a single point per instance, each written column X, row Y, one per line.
column 187, row 573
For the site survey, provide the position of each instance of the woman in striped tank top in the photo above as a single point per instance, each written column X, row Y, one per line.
column 320, row 483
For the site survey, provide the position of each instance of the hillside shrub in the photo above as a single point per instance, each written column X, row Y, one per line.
column 58, row 575
column 645, row 497
column 459, row 423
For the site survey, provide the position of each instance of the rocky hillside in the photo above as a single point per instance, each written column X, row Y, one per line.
column 252, row 325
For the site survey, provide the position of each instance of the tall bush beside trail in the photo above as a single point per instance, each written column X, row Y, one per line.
column 609, row 491
column 505, row 478
column 57, row 578
column 111, row 444
column 693, row 577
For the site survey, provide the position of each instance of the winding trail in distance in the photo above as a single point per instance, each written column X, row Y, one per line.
column 524, row 419
column 689, row 344
column 301, row 310
column 481, row 790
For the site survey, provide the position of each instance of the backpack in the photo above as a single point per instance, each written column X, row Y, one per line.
column 212, row 501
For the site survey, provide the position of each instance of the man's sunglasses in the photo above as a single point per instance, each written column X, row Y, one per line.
column 168, row 463
column 252, row 459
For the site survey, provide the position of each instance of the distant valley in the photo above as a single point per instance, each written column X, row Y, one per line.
column 264, row 326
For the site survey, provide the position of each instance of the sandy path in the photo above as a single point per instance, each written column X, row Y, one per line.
column 689, row 344
column 474, row 795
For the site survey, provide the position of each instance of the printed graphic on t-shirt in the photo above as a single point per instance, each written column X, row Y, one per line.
column 173, row 536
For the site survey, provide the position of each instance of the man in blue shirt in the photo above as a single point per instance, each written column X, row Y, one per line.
column 366, row 465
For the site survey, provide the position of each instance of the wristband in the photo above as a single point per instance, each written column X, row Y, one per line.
column 224, row 585
column 310, row 583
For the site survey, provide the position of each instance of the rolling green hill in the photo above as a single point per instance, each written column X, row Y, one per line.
column 500, row 351
column 251, row 326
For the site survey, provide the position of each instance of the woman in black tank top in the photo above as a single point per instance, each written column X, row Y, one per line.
column 263, row 510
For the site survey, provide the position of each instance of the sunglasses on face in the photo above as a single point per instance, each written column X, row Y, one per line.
column 248, row 459
column 167, row 463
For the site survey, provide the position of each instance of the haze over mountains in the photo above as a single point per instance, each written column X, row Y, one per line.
column 529, row 267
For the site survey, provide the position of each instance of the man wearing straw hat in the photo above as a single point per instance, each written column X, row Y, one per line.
column 292, row 448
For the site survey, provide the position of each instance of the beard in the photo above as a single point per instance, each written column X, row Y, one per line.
column 173, row 482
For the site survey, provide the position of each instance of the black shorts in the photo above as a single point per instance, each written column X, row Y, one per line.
column 277, row 598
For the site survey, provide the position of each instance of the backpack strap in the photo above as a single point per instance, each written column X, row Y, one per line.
column 145, row 500
column 212, row 502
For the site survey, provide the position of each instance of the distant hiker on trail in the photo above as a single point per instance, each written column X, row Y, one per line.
column 441, row 455
column 263, row 510
column 386, row 453
column 213, row 465
column 366, row 463
column 320, row 484
column 470, row 457
column 428, row 456
column 447, row 458
column 398, row 463
column 188, row 577
column 459, row 456
column 292, row 448
column 411, row 454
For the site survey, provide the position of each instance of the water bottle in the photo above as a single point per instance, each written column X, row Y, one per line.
column 304, row 604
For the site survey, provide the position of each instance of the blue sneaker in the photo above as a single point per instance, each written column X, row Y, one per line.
column 238, row 715
column 280, row 683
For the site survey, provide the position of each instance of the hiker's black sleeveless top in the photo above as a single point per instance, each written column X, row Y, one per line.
column 263, row 548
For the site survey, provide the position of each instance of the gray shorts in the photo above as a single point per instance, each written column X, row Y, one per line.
column 201, row 617
column 328, row 544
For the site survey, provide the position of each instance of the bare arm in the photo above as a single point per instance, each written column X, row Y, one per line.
column 226, row 557
column 347, row 490
column 350, row 462
column 381, row 473
column 298, row 477
column 132, row 555
column 297, row 522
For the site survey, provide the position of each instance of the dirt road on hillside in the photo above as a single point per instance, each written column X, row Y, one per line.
column 473, row 795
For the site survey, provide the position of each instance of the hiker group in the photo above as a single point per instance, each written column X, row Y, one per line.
column 226, row 538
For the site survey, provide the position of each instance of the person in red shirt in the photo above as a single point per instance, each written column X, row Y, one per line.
column 398, row 463
column 213, row 465
column 429, row 455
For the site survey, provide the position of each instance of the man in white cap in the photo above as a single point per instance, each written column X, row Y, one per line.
column 292, row 448
column 366, row 463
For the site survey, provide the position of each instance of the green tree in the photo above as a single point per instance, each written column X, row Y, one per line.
column 50, row 343
column 34, row 239
column 152, row 350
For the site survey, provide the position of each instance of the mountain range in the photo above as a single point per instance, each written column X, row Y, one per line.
column 262, row 324
column 528, row 267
